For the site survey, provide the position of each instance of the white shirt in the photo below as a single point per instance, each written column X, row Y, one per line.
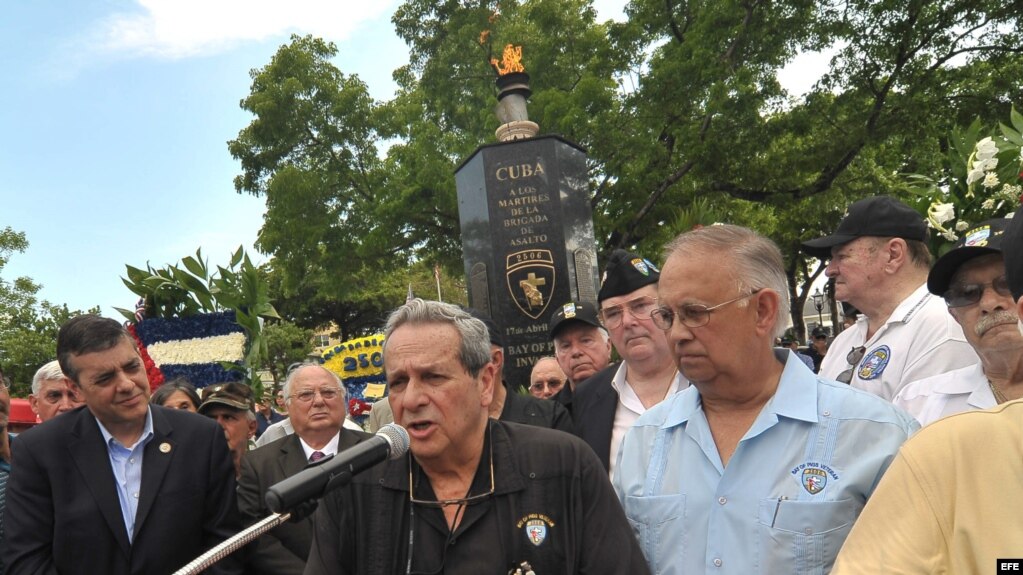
column 283, row 427
column 327, row 450
column 963, row 389
column 630, row 408
column 920, row 339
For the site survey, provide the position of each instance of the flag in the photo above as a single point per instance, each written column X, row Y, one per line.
column 140, row 309
column 409, row 297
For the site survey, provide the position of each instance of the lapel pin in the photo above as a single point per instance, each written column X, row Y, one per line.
column 165, row 447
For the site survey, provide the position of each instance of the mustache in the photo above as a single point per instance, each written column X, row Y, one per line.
column 993, row 320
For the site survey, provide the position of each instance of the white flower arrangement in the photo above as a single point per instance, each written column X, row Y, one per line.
column 990, row 168
column 230, row 347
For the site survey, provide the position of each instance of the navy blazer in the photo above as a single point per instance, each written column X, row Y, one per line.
column 63, row 512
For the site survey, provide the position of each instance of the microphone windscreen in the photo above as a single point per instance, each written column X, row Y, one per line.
column 396, row 437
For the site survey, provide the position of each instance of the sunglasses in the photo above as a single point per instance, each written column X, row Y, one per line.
column 962, row 295
column 852, row 358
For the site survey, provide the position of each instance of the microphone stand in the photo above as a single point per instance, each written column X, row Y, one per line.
column 232, row 544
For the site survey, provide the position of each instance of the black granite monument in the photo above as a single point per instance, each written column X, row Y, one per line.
column 527, row 229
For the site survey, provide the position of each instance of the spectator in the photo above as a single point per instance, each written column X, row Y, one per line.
column 119, row 487
column 177, row 393
column 760, row 466
column 547, row 378
column 581, row 345
column 231, row 405
column 51, row 394
column 879, row 261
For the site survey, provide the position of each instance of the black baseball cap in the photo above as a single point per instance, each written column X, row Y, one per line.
column 1012, row 240
column 625, row 273
column 573, row 311
column 879, row 216
column 980, row 240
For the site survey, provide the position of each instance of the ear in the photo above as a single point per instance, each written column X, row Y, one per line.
column 767, row 303
column 252, row 429
column 955, row 316
column 487, row 381
column 896, row 253
column 1019, row 313
column 497, row 358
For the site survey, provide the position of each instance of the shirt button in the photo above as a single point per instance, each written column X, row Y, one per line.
column 135, row 495
column 131, row 460
column 717, row 563
column 827, row 413
column 722, row 500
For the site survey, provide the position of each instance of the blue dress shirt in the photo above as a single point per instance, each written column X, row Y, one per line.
column 790, row 493
column 127, row 466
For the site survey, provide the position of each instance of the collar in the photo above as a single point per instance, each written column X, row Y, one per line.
column 795, row 398
column 507, row 478
column 908, row 307
column 327, row 450
column 147, row 431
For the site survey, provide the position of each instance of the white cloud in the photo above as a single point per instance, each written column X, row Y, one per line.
column 174, row 29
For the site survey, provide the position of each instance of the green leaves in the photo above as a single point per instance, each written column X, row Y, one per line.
column 191, row 289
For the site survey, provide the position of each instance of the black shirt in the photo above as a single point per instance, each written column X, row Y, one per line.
column 552, row 506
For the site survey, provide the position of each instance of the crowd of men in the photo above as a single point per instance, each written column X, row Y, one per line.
column 705, row 448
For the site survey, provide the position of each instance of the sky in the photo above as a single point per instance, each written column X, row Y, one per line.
column 115, row 117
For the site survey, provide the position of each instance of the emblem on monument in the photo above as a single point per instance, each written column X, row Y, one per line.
column 531, row 277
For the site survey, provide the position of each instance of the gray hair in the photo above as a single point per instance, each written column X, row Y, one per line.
column 49, row 372
column 474, row 349
column 296, row 368
column 756, row 262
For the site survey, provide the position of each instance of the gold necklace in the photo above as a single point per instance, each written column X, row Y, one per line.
column 999, row 396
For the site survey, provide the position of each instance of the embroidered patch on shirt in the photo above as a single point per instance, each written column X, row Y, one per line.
column 814, row 476
column 873, row 363
column 535, row 526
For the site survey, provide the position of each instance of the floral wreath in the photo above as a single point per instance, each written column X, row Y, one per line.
column 985, row 180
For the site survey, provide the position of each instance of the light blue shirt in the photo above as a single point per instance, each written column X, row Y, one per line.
column 793, row 487
column 127, row 466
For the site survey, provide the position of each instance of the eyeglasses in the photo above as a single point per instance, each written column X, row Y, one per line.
column 962, row 295
column 691, row 315
column 852, row 358
column 611, row 317
column 439, row 504
column 551, row 384
column 307, row 395
column 461, row 503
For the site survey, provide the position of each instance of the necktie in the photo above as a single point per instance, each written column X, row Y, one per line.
column 316, row 456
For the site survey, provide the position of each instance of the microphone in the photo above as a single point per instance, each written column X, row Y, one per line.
column 316, row 481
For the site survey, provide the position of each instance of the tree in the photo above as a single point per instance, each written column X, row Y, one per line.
column 680, row 103
column 28, row 327
column 286, row 343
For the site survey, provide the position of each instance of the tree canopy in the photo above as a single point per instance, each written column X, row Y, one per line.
column 680, row 108
column 28, row 326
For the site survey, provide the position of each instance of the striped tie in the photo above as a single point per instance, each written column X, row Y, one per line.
column 316, row 456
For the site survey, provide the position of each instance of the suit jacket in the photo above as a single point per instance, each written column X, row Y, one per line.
column 63, row 512
column 284, row 550
column 593, row 412
column 531, row 410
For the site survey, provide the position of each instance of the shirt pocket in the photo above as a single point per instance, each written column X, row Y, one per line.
column 803, row 537
column 658, row 523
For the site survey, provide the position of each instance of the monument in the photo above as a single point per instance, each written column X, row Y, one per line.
column 526, row 223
